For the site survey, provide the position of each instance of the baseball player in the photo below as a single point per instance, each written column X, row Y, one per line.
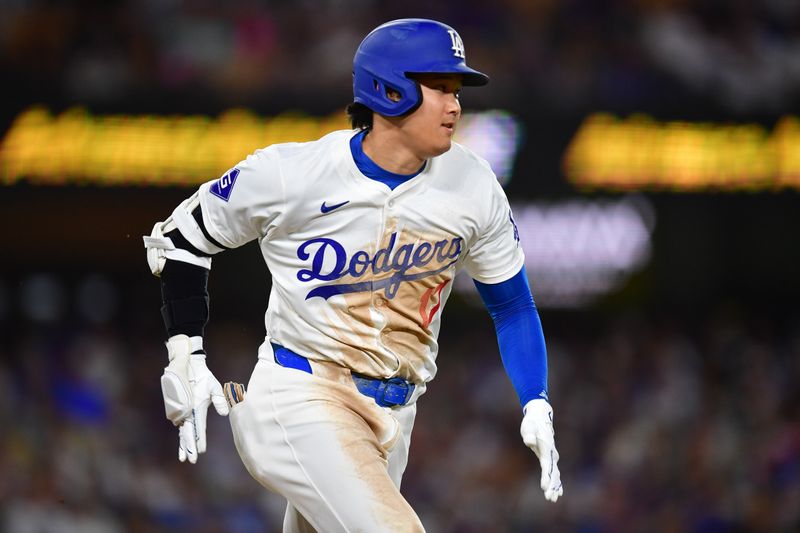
column 363, row 232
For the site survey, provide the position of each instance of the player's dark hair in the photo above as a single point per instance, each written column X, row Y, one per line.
column 360, row 116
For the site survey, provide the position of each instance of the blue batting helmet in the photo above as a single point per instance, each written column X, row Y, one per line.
column 392, row 51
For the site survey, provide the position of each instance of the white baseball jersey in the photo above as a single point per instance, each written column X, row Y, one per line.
column 360, row 272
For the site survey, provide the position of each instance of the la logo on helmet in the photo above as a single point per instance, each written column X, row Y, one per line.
column 458, row 44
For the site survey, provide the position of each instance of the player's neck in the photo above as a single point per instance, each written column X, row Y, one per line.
column 387, row 149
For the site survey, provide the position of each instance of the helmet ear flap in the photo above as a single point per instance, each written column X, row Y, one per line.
column 417, row 100
column 393, row 96
column 384, row 90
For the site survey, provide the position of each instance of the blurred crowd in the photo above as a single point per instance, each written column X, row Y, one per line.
column 566, row 53
column 664, row 423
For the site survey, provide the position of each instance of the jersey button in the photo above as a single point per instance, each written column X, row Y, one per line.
column 391, row 203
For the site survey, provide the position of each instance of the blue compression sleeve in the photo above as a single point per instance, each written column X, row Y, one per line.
column 519, row 334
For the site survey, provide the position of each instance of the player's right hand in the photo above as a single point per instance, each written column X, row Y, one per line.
column 538, row 434
column 189, row 387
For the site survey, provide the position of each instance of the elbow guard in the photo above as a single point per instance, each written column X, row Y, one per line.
column 160, row 248
column 191, row 243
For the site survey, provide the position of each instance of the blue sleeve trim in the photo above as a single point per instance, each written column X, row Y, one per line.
column 519, row 334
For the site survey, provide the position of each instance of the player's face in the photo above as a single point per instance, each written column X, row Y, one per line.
column 429, row 130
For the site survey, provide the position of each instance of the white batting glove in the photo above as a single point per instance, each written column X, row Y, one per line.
column 538, row 435
column 188, row 387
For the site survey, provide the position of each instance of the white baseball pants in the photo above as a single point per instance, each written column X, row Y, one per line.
column 333, row 453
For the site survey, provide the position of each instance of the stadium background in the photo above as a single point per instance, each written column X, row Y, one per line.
column 675, row 393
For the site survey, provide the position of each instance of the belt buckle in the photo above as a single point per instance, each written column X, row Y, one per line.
column 395, row 383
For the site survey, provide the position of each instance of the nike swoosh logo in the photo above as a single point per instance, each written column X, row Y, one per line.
column 328, row 208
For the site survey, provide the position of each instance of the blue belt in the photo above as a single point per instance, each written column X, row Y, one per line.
column 385, row 392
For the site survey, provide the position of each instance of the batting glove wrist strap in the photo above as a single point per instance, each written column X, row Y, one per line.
column 538, row 435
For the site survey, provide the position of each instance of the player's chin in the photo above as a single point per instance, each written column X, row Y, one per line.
column 442, row 145
column 439, row 149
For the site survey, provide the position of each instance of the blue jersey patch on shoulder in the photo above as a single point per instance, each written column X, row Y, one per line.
column 223, row 187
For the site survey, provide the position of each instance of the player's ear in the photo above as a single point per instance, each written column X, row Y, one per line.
column 392, row 95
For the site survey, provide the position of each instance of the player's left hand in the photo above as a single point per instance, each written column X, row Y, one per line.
column 538, row 434
column 189, row 387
